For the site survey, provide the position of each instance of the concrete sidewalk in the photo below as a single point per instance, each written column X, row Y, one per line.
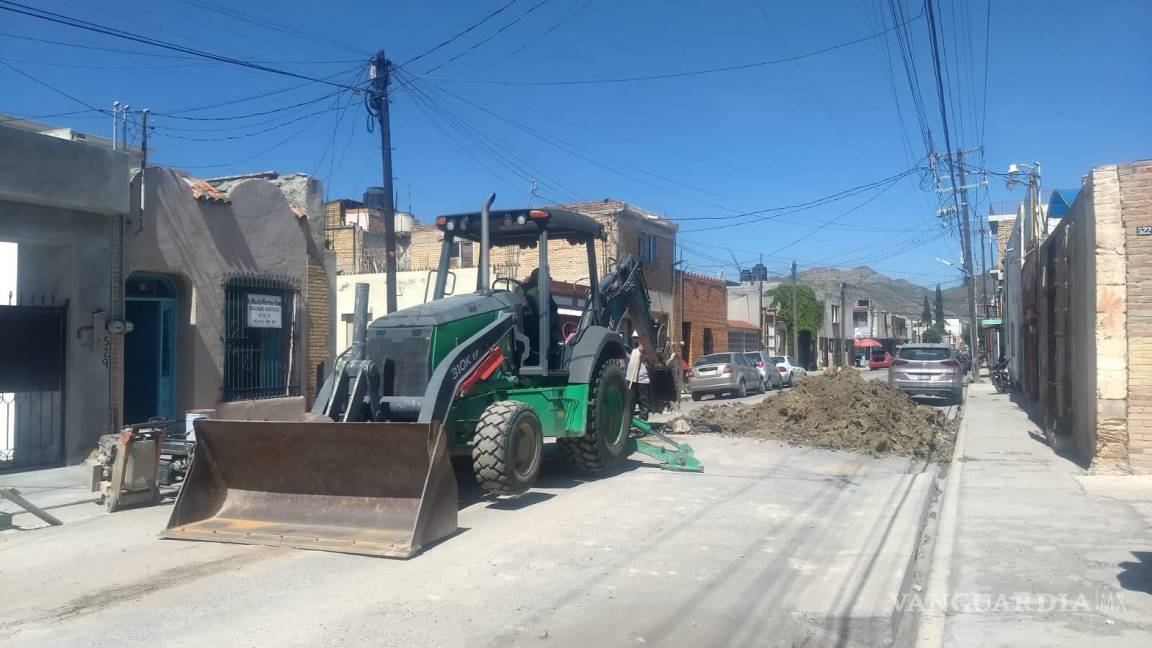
column 64, row 492
column 1033, row 549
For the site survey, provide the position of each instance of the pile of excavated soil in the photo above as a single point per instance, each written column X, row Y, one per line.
column 840, row 411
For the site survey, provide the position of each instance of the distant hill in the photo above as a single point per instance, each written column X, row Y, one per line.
column 893, row 295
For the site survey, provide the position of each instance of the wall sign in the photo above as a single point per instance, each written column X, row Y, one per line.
column 264, row 311
column 1144, row 230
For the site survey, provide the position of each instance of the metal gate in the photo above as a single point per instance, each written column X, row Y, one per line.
column 32, row 370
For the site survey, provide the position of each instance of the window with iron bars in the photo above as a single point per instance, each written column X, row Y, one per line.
column 260, row 338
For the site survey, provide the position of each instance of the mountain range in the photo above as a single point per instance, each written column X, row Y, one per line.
column 894, row 295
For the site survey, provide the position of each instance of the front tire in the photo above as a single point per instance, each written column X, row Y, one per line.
column 508, row 448
column 605, row 443
column 741, row 389
column 697, row 396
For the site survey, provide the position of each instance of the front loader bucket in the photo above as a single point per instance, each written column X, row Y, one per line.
column 382, row 489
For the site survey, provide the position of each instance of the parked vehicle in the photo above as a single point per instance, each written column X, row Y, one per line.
column 928, row 369
column 763, row 362
column 880, row 359
column 724, row 373
column 1001, row 379
column 788, row 369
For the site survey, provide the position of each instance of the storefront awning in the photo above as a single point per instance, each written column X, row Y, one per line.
column 867, row 342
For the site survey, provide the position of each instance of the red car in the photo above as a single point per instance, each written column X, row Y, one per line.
column 879, row 360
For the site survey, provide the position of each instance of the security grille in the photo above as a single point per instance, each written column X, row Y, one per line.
column 260, row 338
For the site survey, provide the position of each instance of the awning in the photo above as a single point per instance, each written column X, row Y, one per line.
column 867, row 342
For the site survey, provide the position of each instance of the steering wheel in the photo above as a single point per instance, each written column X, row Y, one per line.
column 511, row 283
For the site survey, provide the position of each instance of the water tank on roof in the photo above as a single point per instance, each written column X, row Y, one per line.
column 759, row 272
column 745, row 276
column 404, row 221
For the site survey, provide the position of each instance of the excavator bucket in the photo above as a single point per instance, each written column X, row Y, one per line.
column 382, row 489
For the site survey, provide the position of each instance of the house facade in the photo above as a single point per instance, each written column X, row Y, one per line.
column 1079, row 314
column 142, row 294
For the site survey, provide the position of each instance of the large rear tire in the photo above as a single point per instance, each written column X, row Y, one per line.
column 508, row 448
column 606, row 442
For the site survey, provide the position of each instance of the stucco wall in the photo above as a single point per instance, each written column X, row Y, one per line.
column 199, row 244
column 42, row 170
column 65, row 256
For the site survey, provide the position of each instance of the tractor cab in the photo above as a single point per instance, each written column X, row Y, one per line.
column 524, row 229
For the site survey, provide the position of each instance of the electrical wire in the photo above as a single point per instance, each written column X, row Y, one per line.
column 17, row 8
column 690, row 73
column 53, row 88
column 264, row 22
column 546, row 32
column 490, row 36
column 465, row 32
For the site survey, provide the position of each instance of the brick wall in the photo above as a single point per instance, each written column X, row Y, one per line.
column 1136, row 210
column 318, row 297
column 705, row 307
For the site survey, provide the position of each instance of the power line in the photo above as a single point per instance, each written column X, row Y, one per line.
column 467, row 30
column 17, row 8
column 546, row 32
column 272, row 26
column 50, row 87
column 491, row 36
column 691, row 73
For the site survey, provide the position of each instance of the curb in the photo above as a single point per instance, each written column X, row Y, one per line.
column 930, row 628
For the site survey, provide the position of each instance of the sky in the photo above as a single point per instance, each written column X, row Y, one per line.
column 1068, row 84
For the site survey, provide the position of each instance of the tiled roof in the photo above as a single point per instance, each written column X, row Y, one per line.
column 203, row 190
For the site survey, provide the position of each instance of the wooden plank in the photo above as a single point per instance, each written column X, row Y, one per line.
column 14, row 496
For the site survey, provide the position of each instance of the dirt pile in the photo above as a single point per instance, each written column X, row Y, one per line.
column 840, row 411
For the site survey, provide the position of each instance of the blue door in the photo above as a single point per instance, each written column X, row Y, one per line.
column 150, row 349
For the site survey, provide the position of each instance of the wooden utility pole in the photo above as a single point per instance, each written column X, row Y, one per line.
column 795, row 319
column 760, row 272
column 380, row 70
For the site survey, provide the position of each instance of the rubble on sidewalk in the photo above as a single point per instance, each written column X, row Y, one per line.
column 838, row 410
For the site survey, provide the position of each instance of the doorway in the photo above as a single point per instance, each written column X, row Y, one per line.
column 150, row 349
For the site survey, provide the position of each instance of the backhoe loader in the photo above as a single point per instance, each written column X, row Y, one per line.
column 483, row 375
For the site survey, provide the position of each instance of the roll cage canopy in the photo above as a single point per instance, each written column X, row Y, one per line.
column 523, row 226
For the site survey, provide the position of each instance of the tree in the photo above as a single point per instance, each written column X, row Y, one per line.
column 810, row 309
column 926, row 316
column 939, row 305
column 931, row 335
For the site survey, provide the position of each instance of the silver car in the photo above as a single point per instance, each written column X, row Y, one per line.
column 721, row 373
column 763, row 362
column 928, row 369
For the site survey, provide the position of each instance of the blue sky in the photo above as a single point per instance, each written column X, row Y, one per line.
column 1069, row 85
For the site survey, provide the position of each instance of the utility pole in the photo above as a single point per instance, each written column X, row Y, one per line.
column 843, row 360
column 760, row 272
column 379, row 71
column 795, row 318
column 969, row 276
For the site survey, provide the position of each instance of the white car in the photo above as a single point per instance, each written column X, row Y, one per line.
column 788, row 369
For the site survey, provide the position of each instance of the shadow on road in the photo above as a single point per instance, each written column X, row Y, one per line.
column 1137, row 576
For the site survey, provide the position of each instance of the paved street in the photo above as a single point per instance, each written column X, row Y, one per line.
column 770, row 546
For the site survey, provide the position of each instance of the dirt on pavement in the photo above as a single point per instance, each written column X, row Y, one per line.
column 838, row 410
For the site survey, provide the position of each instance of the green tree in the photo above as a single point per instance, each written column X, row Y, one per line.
column 931, row 335
column 939, row 305
column 810, row 309
column 926, row 315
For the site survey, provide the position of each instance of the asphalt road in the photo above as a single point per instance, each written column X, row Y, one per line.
column 771, row 546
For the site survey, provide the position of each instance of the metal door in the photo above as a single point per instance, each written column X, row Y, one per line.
column 32, row 373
